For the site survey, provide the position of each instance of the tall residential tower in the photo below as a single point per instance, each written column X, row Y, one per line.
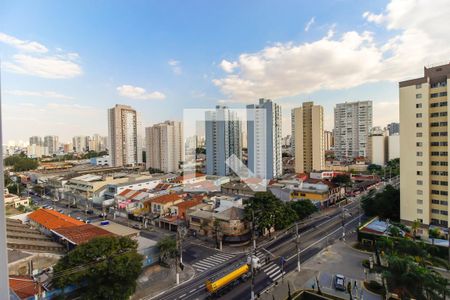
column 308, row 133
column 125, row 143
column 424, row 148
column 264, row 139
column 164, row 146
column 352, row 124
column 223, row 138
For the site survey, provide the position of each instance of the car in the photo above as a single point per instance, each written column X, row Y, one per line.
column 79, row 218
column 61, row 210
column 87, row 221
column 90, row 212
column 137, row 226
column 339, row 282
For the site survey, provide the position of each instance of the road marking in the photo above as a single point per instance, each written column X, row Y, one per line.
column 182, row 296
column 274, row 266
column 204, row 263
column 201, row 286
column 279, row 276
column 191, row 291
column 273, row 272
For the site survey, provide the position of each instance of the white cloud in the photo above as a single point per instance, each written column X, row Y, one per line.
column 28, row 46
column 347, row 60
column 228, row 66
column 42, row 94
column 309, row 24
column 175, row 65
column 38, row 62
column 135, row 92
column 56, row 67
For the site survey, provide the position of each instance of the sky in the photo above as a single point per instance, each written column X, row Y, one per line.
column 64, row 63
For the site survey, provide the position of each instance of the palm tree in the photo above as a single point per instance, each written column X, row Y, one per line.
column 414, row 226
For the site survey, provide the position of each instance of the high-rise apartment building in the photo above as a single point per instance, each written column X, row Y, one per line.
column 36, row 140
column 393, row 146
column 328, row 139
column 393, row 128
column 352, row 123
column 424, row 148
column 96, row 143
column 52, row 144
column 124, row 136
column 264, row 139
column 223, row 138
column 164, row 146
column 377, row 146
column 80, row 143
column 307, row 130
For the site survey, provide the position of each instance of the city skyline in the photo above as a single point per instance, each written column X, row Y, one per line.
column 48, row 75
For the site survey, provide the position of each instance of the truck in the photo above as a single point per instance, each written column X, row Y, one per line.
column 231, row 276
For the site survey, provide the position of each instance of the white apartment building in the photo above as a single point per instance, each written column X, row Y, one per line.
column 164, row 146
column 223, row 134
column 80, row 143
column 393, row 146
column 264, row 139
column 124, row 136
column 36, row 140
column 424, row 149
column 328, row 139
column 377, row 146
column 352, row 123
column 52, row 144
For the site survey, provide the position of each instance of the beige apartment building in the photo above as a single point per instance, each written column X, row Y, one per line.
column 164, row 146
column 424, row 148
column 124, row 136
column 308, row 133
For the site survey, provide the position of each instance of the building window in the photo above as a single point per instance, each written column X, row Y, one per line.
column 434, row 104
column 435, row 134
column 443, row 114
column 443, row 133
column 419, row 182
column 419, row 105
column 442, row 94
column 419, row 153
column 419, row 211
column 444, row 202
column 419, row 115
column 434, row 144
column 435, row 192
column 443, row 123
column 443, row 143
column 418, row 96
column 435, row 163
column 419, row 173
column 444, row 193
column 434, row 115
column 444, row 163
column 419, row 201
column 418, row 86
column 444, row 223
column 419, row 163
column 419, row 192
column 434, row 153
column 435, row 211
column 418, row 124
column 434, row 201
column 444, row 153
column 434, row 181
column 444, row 103
column 419, row 144
column 434, row 124
column 444, row 212
column 434, row 95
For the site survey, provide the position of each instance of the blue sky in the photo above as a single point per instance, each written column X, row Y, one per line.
column 64, row 63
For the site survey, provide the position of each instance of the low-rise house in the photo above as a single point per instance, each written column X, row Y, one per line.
column 46, row 220
column 15, row 201
column 159, row 206
column 177, row 213
column 114, row 189
column 117, row 229
column 130, row 200
column 24, row 288
column 191, row 178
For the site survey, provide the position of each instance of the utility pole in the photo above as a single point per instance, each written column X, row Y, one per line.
column 177, row 258
column 359, row 212
column 252, row 297
column 343, row 224
column 298, row 246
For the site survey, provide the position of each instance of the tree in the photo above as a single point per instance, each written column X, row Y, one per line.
column 303, row 208
column 268, row 212
column 373, row 168
column 341, row 180
column 385, row 204
column 104, row 268
column 20, row 162
column 167, row 249
column 415, row 225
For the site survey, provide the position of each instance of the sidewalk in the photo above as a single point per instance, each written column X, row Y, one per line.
column 156, row 279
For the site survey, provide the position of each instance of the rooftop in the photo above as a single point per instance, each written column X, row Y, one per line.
column 81, row 234
column 164, row 199
column 116, row 229
column 51, row 219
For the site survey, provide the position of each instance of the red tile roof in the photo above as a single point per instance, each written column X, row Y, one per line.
column 164, row 199
column 188, row 203
column 23, row 286
column 51, row 219
column 81, row 234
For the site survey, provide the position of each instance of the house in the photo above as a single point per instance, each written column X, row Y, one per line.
column 191, row 178
column 15, row 201
column 24, row 287
column 177, row 213
column 117, row 229
column 160, row 205
column 229, row 223
column 77, row 235
column 46, row 220
column 129, row 200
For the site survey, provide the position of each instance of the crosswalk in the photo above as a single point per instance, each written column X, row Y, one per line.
column 271, row 269
column 212, row 261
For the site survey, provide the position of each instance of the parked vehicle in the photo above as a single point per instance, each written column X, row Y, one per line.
column 90, row 212
column 339, row 282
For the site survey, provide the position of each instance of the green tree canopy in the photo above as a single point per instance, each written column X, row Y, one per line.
column 341, row 180
column 385, row 204
column 106, row 267
column 303, row 208
column 20, row 162
column 167, row 248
